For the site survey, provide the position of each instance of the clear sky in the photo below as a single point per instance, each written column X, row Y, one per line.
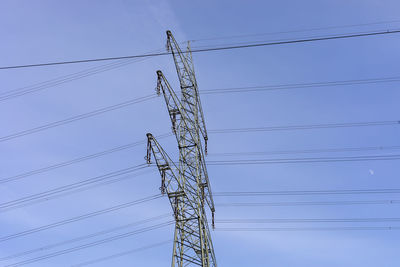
column 42, row 31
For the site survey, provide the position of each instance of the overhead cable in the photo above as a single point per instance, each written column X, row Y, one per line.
column 307, row 203
column 309, row 192
column 304, row 151
column 302, row 160
column 120, row 254
column 215, row 131
column 80, row 217
column 295, row 31
column 53, row 193
column 80, row 238
column 330, row 220
column 261, row 88
column 296, row 41
column 306, row 127
column 10, row 94
column 49, row 194
column 244, row 89
column 279, row 40
column 78, row 160
column 293, row 229
column 134, row 144
column 91, row 244
column 78, row 117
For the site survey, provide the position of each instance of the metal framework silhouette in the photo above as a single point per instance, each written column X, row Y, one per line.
column 185, row 182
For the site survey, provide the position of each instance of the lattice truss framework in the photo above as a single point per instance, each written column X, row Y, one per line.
column 186, row 181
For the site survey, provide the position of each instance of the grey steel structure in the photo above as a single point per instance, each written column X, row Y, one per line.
column 185, row 182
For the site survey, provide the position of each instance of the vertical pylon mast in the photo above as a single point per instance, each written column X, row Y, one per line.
column 187, row 184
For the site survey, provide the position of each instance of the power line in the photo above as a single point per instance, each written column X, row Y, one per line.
column 62, row 80
column 261, row 88
column 258, row 88
column 78, row 117
column 80, row 238
column 113, row 256
column 302, row 160
column 306, row 151
column 309, row 192
column 129, row 176
column 76, row 187
column 306, row 40
column 77, row 160
column 91, row 244
column 110, row 66
column 216, row 131
column 66, row 78
column 58, row 79
column 305, row 127
column 331, row 220
column 76, row 184
column 80, row 217
column 234, row 44
column 307, row 203
column 49, row 194
column 53, row 193
column 213, row 91
column 134, row 144
column 137, row 143
column 293, row 229
column 294, row 31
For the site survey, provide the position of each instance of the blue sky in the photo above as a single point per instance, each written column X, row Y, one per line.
column 42, row 31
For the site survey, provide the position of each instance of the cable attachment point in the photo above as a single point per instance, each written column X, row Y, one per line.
column 168, row 44
column 163, row 188
column 159, row 86
column 148, row 154
column 176, row 209
column 205, row 144
column 173, row 114
column 163, row 171
column 202, row 192
column 212, row 220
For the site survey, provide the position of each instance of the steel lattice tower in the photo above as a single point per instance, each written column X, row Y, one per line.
column 185, row 182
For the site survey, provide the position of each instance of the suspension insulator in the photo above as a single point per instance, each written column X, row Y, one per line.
column 213, row 221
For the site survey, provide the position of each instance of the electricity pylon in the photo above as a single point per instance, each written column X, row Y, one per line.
column 186, row 182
